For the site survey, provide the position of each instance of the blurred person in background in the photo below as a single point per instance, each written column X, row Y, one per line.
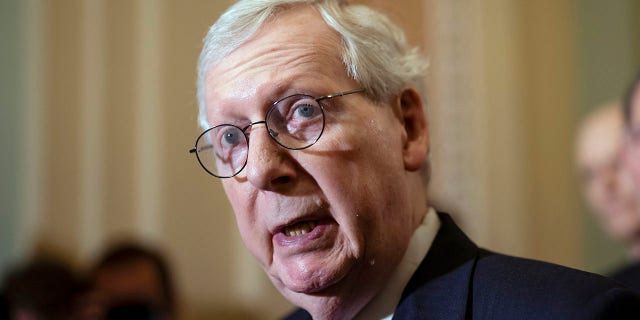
column 631, row 274
column 131, row 281
column 632, row 122
column 42, row 289
column 607, row 185
column 315, row 126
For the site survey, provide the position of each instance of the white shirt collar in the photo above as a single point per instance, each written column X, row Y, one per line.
column 384, row 303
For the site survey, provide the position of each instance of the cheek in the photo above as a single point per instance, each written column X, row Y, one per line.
column 360, row 160
column 593, row 190
column 234, row 195
column 246, row 220
column 360, row 178
column 253, row 238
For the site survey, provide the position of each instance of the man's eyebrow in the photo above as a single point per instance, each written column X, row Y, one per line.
column 286, row 88
column 227, row 112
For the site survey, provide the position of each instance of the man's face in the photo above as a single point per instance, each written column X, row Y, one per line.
column 607, row 186
column 347, row 193
column 632, row 154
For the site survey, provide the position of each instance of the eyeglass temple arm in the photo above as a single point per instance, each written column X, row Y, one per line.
column 194, row 150
column 340, row 94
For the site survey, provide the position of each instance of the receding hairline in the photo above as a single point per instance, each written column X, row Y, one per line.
column 318, row 43
column 279, row 10
column 327, row 33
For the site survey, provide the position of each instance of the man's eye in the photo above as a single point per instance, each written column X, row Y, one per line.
column 306, row 110
column 231, row 137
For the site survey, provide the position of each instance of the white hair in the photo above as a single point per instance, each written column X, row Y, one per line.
column 375, row 51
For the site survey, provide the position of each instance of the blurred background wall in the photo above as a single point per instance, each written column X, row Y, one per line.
column 98, row 110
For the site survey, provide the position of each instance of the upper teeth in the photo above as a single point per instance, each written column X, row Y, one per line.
column 299, row 228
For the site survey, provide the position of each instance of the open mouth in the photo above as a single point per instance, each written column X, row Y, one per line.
column 299, row 228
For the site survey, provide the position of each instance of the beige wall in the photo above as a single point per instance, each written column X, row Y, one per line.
column 111, row 113
column 502, row 114
column 114, row 119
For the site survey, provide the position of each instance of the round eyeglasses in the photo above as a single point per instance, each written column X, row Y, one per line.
column 295, row 122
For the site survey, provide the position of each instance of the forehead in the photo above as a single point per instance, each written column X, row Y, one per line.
column 600, row 138
column 293, row 50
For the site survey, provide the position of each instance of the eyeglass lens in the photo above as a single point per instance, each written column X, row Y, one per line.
column 295, row 122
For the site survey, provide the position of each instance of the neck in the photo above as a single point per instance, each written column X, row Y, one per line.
column 420, row 205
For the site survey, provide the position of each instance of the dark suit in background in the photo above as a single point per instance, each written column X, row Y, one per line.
column 628, row 275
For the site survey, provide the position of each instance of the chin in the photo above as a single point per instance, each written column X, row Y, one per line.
column 310, row 282
column 312, row 273
column 298, row 280
column 332, row 301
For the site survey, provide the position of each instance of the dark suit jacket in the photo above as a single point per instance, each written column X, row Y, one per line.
column 629, row 276
column 458, row 280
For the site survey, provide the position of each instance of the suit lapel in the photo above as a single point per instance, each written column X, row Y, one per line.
column 440, row 287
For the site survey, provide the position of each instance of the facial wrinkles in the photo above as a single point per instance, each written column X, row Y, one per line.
column 244, row 75
column 249, row 229
column 250, row 75
column 256, row 79
column 272, row 60
column 244, row 78
column 266, row 210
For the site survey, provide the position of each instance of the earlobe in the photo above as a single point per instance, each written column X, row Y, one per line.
column 416, row 144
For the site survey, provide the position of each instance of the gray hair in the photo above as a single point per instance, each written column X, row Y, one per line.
column 375, row 51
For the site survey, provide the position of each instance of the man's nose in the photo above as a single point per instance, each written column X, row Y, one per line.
column 269, row 165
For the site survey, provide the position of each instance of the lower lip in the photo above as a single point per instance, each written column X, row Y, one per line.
column 304, row 239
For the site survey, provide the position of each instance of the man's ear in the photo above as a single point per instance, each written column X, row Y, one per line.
column 416, row 127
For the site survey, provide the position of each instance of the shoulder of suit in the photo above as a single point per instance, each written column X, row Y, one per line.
column 525, row 285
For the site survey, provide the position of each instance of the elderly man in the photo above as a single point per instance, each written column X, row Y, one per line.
column 320, row 138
